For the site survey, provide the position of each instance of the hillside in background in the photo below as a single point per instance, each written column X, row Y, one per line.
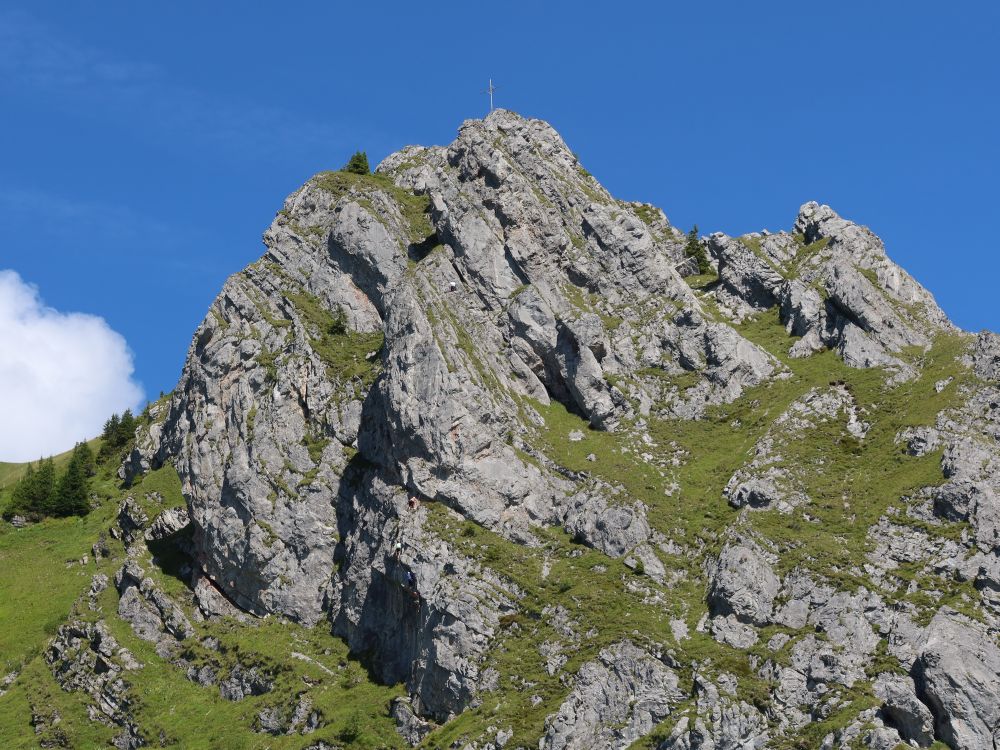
column 478, row 456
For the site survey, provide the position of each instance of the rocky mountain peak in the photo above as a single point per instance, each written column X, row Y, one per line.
column 816, row 222
column 492, row 427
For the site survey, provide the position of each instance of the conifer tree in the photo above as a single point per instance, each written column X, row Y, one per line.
column 71, row 495
column 109, row 439
column 20, row 503
column 694, row 249
column 117, row 433
column 43, row 496
column 126, row 428
column 110, row 428
column 87, row 458
column 358, row 164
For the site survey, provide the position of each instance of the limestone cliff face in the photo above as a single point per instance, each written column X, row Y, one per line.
column 411, row 334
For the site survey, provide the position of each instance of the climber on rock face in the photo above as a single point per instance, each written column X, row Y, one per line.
column 397, row 550
column 410, row 583
column 413, row 503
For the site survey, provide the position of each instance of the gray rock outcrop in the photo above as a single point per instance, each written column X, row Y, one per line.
column 153, row 615
column 616, row 700
column 958, row 676
column 903, row 710
column 743, row 584
column 85, row 657
column 834, row 287
column 493, row 270
column 721, row 720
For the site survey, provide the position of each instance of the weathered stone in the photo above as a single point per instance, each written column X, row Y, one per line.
column 277, row 720
column 986, row 356
column 615, row 529
column 132, row 520
column 616, row 700
column 958, row 676
column 869, row 309
column 903, row 710
column 743, row 584
column 412, row 728
column 167, row 523
column 85, row 657
column 720, row 722
column 153, row 615
column 242, row 682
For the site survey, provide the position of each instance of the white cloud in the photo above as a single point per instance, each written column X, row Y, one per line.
column 61, row 374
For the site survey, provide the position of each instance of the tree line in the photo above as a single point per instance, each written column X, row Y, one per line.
column 43, row 491
column 118, row 432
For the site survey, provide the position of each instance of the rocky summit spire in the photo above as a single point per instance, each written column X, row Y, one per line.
column 491, row 426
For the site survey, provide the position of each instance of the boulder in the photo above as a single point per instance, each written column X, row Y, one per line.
column 958, row 676
column 903, row 710
column 743, row 584
column 616, row 700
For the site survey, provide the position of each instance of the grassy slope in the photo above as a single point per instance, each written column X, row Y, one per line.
column 37, row 593
column 40, row 576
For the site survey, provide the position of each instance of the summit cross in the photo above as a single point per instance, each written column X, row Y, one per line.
column 489, row 90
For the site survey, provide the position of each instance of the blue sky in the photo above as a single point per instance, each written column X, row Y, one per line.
column 146, row 146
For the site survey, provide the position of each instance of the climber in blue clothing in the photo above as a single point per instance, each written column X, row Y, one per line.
column 410, row 581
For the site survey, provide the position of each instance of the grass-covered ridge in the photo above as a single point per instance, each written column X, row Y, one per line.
column 415, row 209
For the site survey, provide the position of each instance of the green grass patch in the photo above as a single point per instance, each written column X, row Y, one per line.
column 315, row 444
column 268, row 360
column 346, row 355
column 40, row 578
column 195, row 716
column 415, row 209
column 163, row 481
column 646, row 213
column 805, row 255
column 702, row 281
column 36, row 688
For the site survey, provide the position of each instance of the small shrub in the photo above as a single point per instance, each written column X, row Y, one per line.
column 353, row 728
column 508, row 620
column 694, row 249
column 338, row 322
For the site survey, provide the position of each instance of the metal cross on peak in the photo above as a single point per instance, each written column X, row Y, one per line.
column 489, row 90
